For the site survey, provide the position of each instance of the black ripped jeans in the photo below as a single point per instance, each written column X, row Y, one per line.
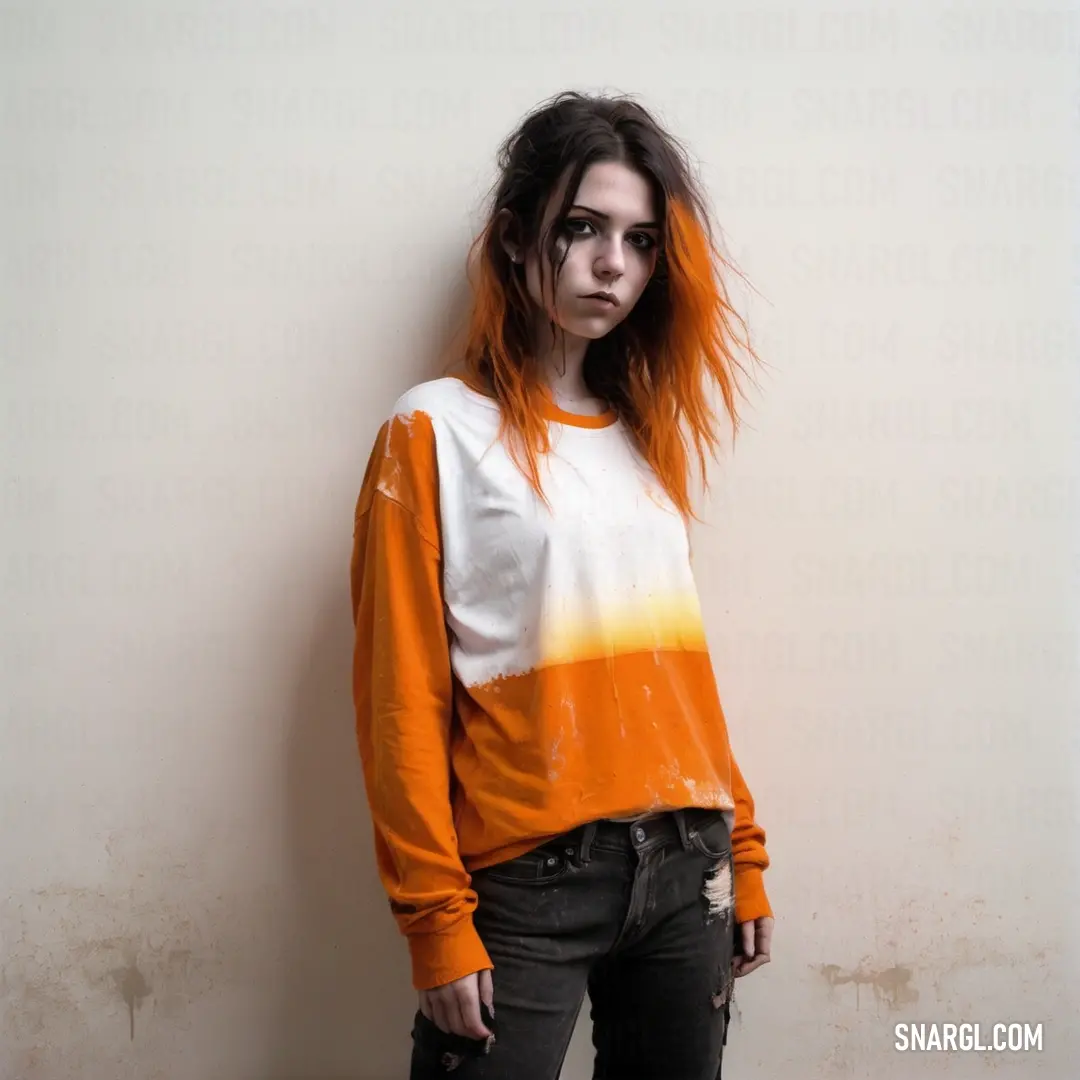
column 639, row 914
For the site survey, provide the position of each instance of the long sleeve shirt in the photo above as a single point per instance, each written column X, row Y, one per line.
column 520, row 669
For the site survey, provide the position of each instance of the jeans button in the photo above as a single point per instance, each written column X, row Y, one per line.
column 639, row 835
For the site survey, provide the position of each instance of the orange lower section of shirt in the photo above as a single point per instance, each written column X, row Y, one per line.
column 539, row 754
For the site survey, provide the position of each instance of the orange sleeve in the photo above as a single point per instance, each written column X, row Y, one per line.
column 403, row 697
column 748, row 850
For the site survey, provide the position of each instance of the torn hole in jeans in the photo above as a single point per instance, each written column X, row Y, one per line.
column 450, row 1061
column 718, row 891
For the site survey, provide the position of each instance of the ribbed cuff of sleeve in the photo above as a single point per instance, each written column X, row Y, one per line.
column 750, row 900
column 452, row 954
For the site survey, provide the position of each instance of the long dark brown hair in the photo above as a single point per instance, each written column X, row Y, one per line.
column 657, row 367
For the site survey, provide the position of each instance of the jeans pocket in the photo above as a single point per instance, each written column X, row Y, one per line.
column 712, row 838
column 541, row 866
column 433, row 1047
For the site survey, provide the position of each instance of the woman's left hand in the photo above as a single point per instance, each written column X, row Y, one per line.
column 756, row 938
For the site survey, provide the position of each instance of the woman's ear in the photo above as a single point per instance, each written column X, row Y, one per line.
column 504, row 230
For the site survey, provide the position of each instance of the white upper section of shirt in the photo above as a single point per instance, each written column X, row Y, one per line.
column 606, row 571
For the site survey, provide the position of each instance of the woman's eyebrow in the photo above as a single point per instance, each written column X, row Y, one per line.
column 607, row 217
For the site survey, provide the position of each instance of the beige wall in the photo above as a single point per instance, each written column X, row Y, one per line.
column 232, row 238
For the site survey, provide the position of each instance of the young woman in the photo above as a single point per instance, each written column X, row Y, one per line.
column 555, row 805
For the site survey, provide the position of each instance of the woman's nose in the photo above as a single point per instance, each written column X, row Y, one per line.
column 611, row 261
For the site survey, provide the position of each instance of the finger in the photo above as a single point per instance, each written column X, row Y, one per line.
column 425, row 1007
column 764, row 936
column 454, row 1022
column 751, row 965
column 745, row 969
column 468, row 1001
column 487, row 990
column 747, row 929
column 439, row 1015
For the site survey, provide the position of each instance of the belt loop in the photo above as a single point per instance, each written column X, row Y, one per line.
column 684, row 833
column 586, row 841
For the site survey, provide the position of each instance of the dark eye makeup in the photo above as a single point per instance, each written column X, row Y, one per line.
column 648, row 244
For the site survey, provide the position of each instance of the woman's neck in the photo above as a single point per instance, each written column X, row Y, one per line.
column 570, row 392
column 562, row 361
column 565, row 378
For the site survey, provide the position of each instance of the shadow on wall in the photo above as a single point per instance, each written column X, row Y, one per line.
column 346, row 1001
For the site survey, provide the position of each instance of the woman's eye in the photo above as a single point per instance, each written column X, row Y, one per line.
column 642, row 241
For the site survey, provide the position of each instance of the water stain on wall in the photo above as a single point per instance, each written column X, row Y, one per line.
column 891, row 985
column 68, row 960
column 83, row 961
column 894, row 985
column 133, row 988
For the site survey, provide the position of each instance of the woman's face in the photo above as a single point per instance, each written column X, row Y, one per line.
column 613, row 235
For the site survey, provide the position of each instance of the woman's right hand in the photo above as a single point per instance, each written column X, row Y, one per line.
column 455, row 1006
